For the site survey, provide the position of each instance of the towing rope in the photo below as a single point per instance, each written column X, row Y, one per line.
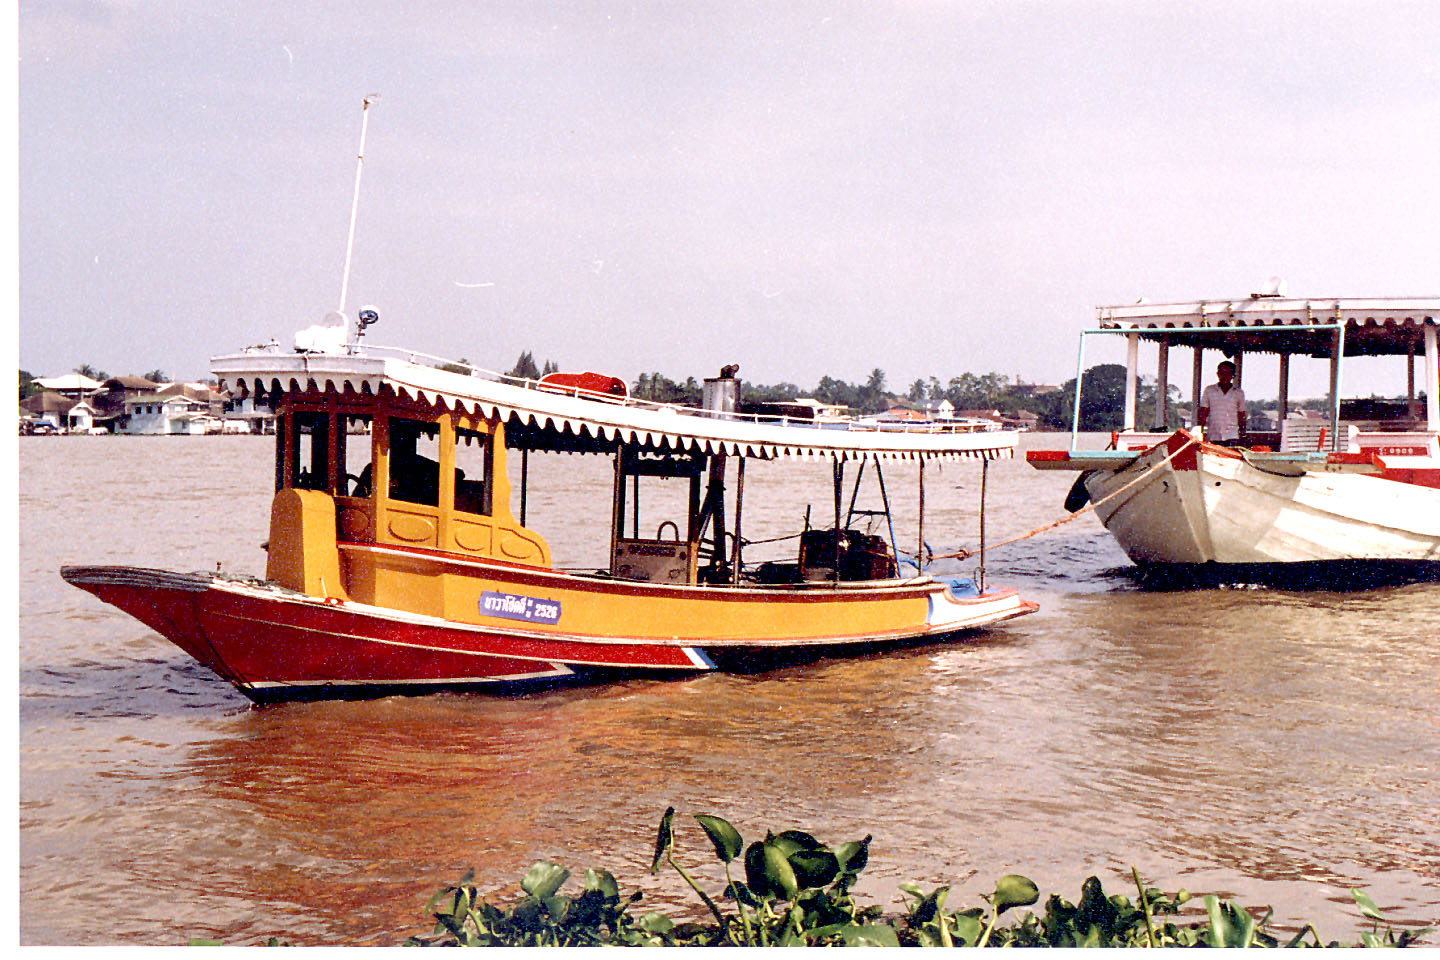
column 964, row 554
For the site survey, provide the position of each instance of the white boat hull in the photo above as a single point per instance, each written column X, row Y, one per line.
column 1211, row 506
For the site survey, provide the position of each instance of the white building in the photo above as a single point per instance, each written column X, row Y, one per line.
column 941, row 409
column 156, row 414
column 76, row 386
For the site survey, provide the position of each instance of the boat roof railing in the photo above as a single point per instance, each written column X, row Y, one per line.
column 1269, row 323
column 1261, row 323
column 581, row 420
column 944, row 425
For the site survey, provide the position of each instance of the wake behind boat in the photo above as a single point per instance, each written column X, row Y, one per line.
column 1357, row 487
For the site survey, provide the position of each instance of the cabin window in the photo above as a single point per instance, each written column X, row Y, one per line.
column 354, row 454
column 473, row 465
column 310, row 450
column 415, row 461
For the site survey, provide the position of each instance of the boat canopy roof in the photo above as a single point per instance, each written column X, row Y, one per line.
column 1270, row 324
column 549, row 417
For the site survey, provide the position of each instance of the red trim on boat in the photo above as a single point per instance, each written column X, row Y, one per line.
column 819, row 592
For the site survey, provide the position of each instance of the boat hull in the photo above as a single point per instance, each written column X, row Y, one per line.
column 1210, row 505
column 272, row 643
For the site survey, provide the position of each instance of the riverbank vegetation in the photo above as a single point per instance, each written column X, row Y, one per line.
column 1102, row 407
column 789, row 889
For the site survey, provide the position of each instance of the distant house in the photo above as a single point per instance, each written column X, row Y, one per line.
column 941, row 409
column 214, row 402
column 821, row 411
column 904, row 413
column 1022, row 389
column 81, row 418
column 109, row 401
column 60, row 412
column 246, row 416
column 152, row 414
column 76, row 386
column 1022, row 420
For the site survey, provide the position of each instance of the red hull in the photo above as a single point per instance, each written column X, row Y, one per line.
column 273, row 644
column 276, row 644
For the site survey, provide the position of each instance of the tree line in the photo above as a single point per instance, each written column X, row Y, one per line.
column 1102, row 402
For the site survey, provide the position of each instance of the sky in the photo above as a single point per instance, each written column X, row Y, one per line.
column 804, row 188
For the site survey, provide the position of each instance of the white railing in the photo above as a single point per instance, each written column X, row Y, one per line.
column 466, row 369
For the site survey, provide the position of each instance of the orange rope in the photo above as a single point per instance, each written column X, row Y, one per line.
column 963, row 554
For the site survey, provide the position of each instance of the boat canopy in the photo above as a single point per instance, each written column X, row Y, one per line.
column 1269, row 324
column 547, row 417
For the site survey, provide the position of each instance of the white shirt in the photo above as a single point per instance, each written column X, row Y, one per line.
column 1223, row 420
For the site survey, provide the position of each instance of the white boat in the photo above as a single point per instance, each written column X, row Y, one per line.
column 1361, row 485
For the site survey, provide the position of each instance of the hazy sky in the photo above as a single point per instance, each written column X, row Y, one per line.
column 805, row 188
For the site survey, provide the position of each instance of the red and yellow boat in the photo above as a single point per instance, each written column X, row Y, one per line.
column 396, row 562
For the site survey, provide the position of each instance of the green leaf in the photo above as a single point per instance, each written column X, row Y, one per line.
column 870, row 935
column 1230, row 926
column 664, row 839
column 543, row 879
column 741, row 893
column 755, row 870
column 965, row 928
column 929, row 905
column 792, row 840
column 558, row 908
column 1013, row 890
column 602, row 881
column 726, row 838
column 813, row 868
column 1366, row 905
column 853, row 856
column 778, row 872
column 654, row 922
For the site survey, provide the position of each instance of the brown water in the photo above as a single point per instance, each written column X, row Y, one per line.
column 1276, row 746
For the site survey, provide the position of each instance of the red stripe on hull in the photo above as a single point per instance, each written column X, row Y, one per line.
column 275, row 644
column 249, row 644
column 234, row 618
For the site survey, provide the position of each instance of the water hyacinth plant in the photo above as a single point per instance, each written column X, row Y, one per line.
column 796, row 892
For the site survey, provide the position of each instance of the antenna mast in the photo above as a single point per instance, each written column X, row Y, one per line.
column 355, row 202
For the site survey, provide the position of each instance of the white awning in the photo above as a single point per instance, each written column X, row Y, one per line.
column 368, row 371
column 1376, row 326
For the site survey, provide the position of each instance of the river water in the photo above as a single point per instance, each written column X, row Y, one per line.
column 1275, row 746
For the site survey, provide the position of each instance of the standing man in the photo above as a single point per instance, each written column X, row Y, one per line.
column 1222, row 408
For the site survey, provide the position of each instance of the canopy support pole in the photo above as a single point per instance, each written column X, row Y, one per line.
column 739, row 500
column 920, row 547
column 1282, row 401
column 1197, row 385
column 1410, row 409
column 854, row 494
column 889, row 520
column 1132, row 362
column 524, row 481
column 1432, row 381
column 984, row 478
column 1162, row 384
column 839, row 472
column 1337, row 347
